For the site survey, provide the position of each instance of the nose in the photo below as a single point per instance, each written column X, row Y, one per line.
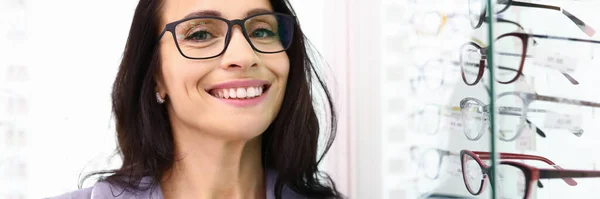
column 239, row 53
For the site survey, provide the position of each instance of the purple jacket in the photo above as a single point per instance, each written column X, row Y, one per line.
column 104, row 190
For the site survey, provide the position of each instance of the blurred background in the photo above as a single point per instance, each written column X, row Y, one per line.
column 399, row 70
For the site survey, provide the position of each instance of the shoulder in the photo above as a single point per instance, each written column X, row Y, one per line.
column 286, row 192
column 78, row 194
column 104, row 190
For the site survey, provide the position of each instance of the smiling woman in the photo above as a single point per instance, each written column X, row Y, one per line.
column 213, row 100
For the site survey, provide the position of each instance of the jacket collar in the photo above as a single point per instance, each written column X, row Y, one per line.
column 106, row 190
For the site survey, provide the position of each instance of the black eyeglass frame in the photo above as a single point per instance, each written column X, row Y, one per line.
column 170, row 27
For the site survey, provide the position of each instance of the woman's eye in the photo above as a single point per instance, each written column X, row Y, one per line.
column 262, row 33
column 199, row 36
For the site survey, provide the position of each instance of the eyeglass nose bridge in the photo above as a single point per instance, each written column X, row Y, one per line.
column 231, row 24
column 483, row 52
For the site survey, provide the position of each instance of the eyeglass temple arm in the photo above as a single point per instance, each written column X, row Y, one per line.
column 566, row 101
column 551, row 174
column 588, row 30
column 501, row 20
column 505, row 110
column 537, row 130
column 515, row 156
column 569, row 77
column 566, row 39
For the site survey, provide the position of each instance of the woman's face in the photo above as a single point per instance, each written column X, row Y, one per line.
column 235, row 95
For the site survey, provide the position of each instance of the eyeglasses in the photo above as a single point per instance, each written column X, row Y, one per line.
column 481, row 155
column 513, row 47
column 512, row 109
column 13, row 167
column 428, row 120
column 432, row 74
column 478, row 12
column 432, row 23
column 475, row 117
column 14, row 73
column 12, row 106
column 207, row 37
column 430, row 160
column 475, row 172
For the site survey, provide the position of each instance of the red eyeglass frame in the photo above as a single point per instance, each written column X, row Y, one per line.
column 532, row 174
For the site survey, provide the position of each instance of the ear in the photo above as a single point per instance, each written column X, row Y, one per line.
column 161, row 88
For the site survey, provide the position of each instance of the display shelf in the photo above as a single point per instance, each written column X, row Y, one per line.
column 541, row 97
column 14, row 100
column 557, row 119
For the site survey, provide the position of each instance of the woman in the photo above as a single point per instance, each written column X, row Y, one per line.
column 213, row 100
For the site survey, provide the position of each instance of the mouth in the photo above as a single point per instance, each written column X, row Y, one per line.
column 240, row 89
column 241, row 93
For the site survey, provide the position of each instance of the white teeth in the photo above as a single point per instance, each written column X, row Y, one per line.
column 225, row 94
column 239, row 93
column 232, row 93
column 250, row 92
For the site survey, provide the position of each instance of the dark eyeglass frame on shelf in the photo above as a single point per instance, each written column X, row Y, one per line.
column 482, row 155
column 532, row 174
column 524, row 38
column 505, row 4
column 170, row 27
column 414, row 152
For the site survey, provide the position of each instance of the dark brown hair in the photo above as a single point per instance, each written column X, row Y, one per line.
column 145, row 141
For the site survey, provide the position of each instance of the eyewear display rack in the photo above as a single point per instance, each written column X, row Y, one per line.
column 491, row 98
column 13, row 100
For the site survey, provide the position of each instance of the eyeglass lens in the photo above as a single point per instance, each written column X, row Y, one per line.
column 510, row 49
column 473, row 119
column 511, row 116
column 511, row 182
column 473, row 174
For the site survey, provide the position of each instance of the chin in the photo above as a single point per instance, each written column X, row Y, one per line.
column 242, row 131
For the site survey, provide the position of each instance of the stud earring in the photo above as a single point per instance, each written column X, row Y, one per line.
column 159, row 99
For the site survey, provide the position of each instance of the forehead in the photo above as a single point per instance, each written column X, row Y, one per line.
column 174, row 10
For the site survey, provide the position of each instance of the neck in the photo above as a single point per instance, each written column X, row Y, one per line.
column 209, row 167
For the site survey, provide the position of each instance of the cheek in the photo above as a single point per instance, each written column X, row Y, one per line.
column 280, row 66
column 181, row 75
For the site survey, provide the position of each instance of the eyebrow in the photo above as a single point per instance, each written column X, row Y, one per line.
column 215, row 13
